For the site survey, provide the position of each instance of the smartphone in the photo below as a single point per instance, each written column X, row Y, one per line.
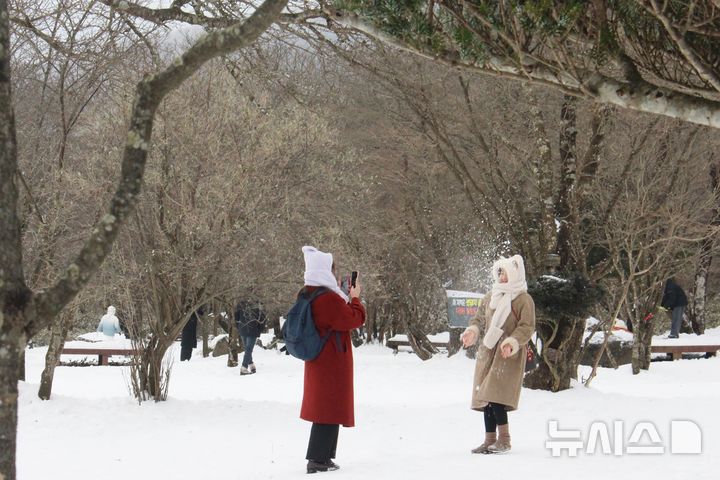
column 353, row 278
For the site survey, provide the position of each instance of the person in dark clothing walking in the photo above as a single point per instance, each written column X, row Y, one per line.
column 188, row 340
column 674, row 300
column 250, row 321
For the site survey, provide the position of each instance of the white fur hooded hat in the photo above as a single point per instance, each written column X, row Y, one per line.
column 514, row 269
column 318, row 270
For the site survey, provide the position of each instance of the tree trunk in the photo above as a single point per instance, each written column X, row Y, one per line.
column 697, row 313
column 150, row 381
column 419, row 342
column 154, row 373
column 421, row 345
column 559, row 357
column 370, row 323
column 205, row 332
column 356, row 338
column 544, row 176
column 566, row 210
column 233, row 344
column 12, row 342
column 58, row 333
column 149, row 372
column 21, row 375
column 454, row 344
column 562, row 338
column 685, row 325
column 642, row 338
column 14, row 294
column 382, row 323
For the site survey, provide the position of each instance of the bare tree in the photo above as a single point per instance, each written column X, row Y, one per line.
column 656, row 222
column 207, row 228
column 68, row 61
column 24, row 312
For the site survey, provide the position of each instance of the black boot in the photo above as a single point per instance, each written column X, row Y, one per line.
column 328, row 466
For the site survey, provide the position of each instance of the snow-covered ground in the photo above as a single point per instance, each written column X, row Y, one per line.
column 413, row 421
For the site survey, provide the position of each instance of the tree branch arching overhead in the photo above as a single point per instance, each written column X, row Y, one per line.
column 635, row 54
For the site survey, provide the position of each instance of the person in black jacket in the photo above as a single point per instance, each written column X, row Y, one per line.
column 188, row 340
column 675, row 300
column 250, row 320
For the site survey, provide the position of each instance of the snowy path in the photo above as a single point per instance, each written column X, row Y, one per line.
column 412, row 417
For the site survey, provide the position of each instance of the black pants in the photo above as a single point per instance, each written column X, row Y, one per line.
column 185, row 352
column 323, row 442
column 495, row 414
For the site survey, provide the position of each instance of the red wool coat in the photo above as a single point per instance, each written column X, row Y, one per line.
column 328, row 392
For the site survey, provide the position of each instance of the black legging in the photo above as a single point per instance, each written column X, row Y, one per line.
column 495, row 414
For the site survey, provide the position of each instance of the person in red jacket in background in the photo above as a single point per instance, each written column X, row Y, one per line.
column 328, row 389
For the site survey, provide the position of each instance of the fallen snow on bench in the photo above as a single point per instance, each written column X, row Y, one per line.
column 118, row 341
column 710, row 337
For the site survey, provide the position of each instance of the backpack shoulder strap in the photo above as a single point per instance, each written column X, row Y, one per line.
column 318, row 291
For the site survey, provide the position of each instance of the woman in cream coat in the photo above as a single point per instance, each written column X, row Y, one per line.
column 504, row 324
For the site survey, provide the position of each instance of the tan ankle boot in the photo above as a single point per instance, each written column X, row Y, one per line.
column 490, row 438
column 502, row 445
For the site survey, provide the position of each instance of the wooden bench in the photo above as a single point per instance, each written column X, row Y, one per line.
column 103, row 354
column 676, row 351
column 394, row 344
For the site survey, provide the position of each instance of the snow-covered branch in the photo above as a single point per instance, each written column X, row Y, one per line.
column 638, row 95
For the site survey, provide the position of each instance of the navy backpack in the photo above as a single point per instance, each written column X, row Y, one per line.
column 302, row 339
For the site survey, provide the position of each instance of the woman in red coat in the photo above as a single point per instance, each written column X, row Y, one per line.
column 328, row 391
